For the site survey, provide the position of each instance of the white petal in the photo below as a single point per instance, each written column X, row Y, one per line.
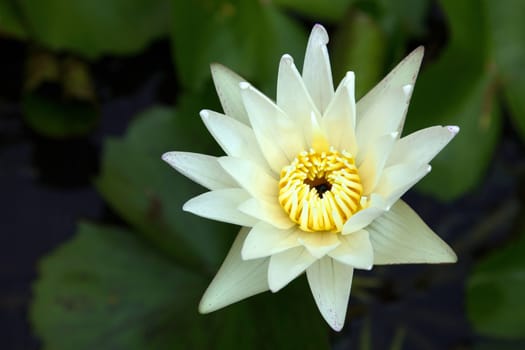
column 265, row 240
column 373, row 162
column 339, row 119
column 319, row 243
column 355, row 250
column 293, row 98
column 397, row 179
column 221, row 205
column 330, row 282
column 382, row 118
column 364, row 217
column 227, row 86
column 286, row 266
column 252, row 177
column 317, row 73
column 201, row 168
column 405, row 73
column 268, row 212
column 235, row 138
column 400, row 236
column 236, row 280
column 278, row 136
column 422, row 146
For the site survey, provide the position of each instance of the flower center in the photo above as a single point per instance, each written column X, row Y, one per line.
column 320, row 191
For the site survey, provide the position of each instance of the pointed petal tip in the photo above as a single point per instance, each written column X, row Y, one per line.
column 286, row 58
column 172, row 159
column 336, row 326
column 273, row 285
column 349, row 75
column 204, row 113
column 419, row 51
column 217, row 65
column 167, row 157
column 446, row 256
column 348, row 81
column 321, row 33
column 450, row 256
column 330, row 284
column 187, row 206
column 454, row 129
column 214, row 66
column 205, row 308
column 369, row 267
column 207, row 305
column 416, row 57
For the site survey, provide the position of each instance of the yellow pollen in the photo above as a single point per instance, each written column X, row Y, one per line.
column 320, row 191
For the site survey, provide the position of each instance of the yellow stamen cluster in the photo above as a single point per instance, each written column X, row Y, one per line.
column 320, row 191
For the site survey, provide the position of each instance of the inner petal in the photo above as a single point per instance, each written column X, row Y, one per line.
column 320, row 190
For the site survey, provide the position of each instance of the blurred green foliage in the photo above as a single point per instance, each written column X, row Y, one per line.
column 508, row 52
column 247, row 36
column 495, row 293
column 147, row 193
column 457, row 89
column 70, row 109
column 106, row 289
column 10, row 22
column 145, row 283
column 96, row 27
column 367, row 52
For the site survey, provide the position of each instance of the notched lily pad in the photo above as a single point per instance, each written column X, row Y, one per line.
column 105, row 289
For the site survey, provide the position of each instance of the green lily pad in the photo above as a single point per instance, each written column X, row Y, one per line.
column 106, row 289
column 247, row 36
column 328, row 10
column 96, row 27
column 458, row 89
column 149, row 194
column 59, row 118
column 59, row 101
column 495, row 291
column 359, row 45
column 506, row 28
column 10, row 21
column 404, row 17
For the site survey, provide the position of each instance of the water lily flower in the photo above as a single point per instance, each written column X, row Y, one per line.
column 314, row 179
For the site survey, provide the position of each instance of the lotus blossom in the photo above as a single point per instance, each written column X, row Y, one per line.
column 314, row 179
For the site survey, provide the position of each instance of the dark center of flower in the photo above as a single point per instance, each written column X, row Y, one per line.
column 320, row 184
